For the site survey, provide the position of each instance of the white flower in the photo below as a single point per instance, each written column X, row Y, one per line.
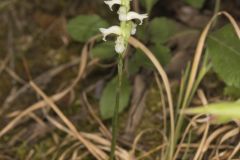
column 111, row 30
column 120, row 45
column 126, row 16
column 110, row 3
column 134, row 29
column 134, row 15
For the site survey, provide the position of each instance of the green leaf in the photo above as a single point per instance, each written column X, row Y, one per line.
column 148, row 4
column 195, row 3
column 232, row 91
column 224, row 51
column 81, row 28
column 161, row 29
column 104, row 50
column 141, row 32
column 221, row 112
column 108, row 99
column 162, row 53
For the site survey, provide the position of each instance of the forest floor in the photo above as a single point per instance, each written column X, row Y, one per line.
column 35, row 46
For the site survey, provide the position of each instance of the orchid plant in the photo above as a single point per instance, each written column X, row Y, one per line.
column 123, row 32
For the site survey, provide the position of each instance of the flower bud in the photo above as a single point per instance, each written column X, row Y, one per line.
column 134, row 29
column 120, row 45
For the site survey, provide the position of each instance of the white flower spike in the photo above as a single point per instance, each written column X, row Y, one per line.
column 126, row 28
column 110, row 3
column 120, row 45
column 111, row 30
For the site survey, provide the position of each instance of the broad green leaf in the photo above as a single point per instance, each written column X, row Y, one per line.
column 161, row 29
column 224, row 51
column 141, row 33
column 232, row 91
column 148, row 4
column 81, row 28
column 104, row 50
column 221, row 112
column 162, row 53
column 195, row 3
column 107, row 101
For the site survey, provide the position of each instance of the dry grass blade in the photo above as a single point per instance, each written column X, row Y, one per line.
column 75, row 153
column 4, row 64
column 229, row 134
column 38, row 119
column 94, row 150
column 84, row 56
column 200, row 150
column 59, row 126
column 32, row 108
column 139, row 136
column 56, row 97
column 190, row 124
column 144, row 156
column 30, row 155
column 68, row 150
column 195, row 145
column 81, row 157
column 42, row 79
column 136, row 140
column 214, row 136
column 137, row 44
column 26, row 112
column 235, row 151
column 14, row 75
column 105, row 145
column 97, row 139
column 202, row 97
column 97, row 119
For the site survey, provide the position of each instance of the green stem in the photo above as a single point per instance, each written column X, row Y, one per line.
column 115, row 116
column 216, row 10
column 217, row 6
column 126, row 29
